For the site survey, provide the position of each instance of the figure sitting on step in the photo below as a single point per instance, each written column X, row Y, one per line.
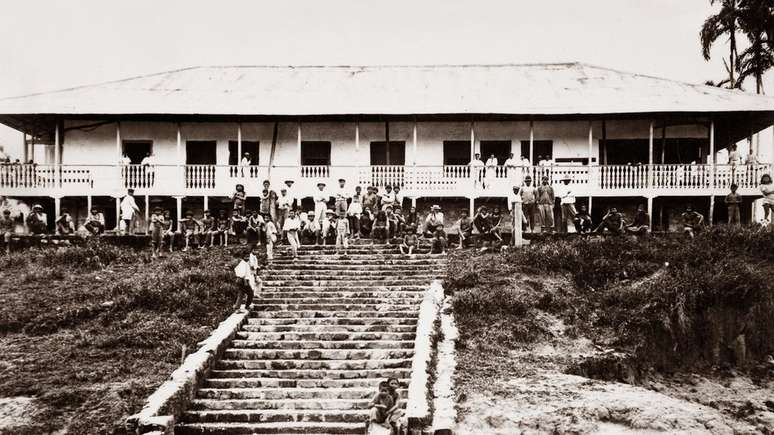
column 385, row 406
column 410, row 241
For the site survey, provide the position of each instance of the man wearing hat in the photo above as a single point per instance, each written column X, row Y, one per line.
column 433, row 219
column 7, row 228
column 529, row 203
column 567, row 200
column 310, row 229
column 320, row 198
column 328, row 227
column 128, row 209
column 95, row 222
column 284, row 206
column 545, row 201
column 37, row 221
column 341, row 196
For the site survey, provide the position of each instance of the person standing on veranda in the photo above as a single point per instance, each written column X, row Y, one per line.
column 476, row 170
column 491, row 171
column 513, row 170
column 244, row 164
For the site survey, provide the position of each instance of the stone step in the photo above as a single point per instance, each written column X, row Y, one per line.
column 295, row 404
column 372, row 383
column 329, row 328
column 303, row 364
column 316, row 354
column 333, row 321
column 324, row 306
column 325, row 313
column 366, row 277
column 306, row 344
column 324, row 336
column 334, row 288
column 269, row 428
column 282, row 294
column 366, row 261
column 346, row 282
column 293, row 267
column 381, row 374
column 326, row 299
column 276, row 415
column 313, row 273
column 289, row 393
column 356, row 250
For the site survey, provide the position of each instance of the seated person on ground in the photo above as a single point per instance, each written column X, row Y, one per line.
column 95, row 222
column 464, row 228
column 483, row 225
column 410, row 241
column 189, row 229
column 381, row 405
column 612, row 222
column 381, row 227
column 37, row 221
column 641, row 223
column 582, row 221
column 208, row 229
column 169, row 233
column 220, row 231
column 692, row 221
column 65, row 225
column 238, row 224
column 366, row 222
column 439, row 241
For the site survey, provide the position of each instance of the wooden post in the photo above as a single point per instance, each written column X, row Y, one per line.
column 118, row 215
column 472, row 141
column 650, row 211
column 57, row 207
column 517, row 236
column 471, row 208
column 119, row 148
column 298, row 128
column 414, row 176
column 179, row 148
column 590, row 197
column 88, row 204
column 650, row 163
column 239, row 144
column 147, row 212
column 663, row 141
column 357, row 153
column 532, row 144
column 711, row 160
column 591, row 141
column 206, row 202
column 57, row 151
column 25, row 155
column 179, row 204
column 711, row 209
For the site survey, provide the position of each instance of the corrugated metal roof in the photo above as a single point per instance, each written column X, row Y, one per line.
column 530, row 89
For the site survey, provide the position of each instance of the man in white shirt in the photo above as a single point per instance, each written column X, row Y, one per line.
column 517, row 217
column 244, row 163
column 320, row 198
column 513, row 170
column 388, row 197
column 567, row 199
column 476, row 170
column 292, row 194
column 148, row 166
column 398, row 202
column 341, row 195
column 433, row 219
column 124, row 160
column 284, row 206
column 491, row 171
column 128, row 209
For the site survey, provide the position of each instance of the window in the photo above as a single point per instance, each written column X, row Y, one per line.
column 248, row 146
column 456, row 152
column 540, row 148
column 500, row 148
column 395, row 154
column 200, row 152
column 136, row 150
column 315, row 153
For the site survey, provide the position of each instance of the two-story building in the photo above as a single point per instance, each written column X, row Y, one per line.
column 621, row 138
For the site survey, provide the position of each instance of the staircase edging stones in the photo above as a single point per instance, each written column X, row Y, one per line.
column 419, row 393
column 444, row 411
column 169, row 401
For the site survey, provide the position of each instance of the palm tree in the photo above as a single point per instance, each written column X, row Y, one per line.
column 725, row 22
column 756, row 21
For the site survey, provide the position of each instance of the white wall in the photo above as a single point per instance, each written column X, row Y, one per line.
column 98, row 146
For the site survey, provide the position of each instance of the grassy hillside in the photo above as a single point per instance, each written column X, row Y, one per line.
column 91, row 331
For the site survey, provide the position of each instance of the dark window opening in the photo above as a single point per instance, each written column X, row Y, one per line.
column 456, row 152
column 315, row 153
column 136, row 150
column 200, row 152
column 395, row 154
column 248, row 146
column 500, row 148
column 541, row 148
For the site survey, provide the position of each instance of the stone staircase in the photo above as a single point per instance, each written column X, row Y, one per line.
column 323, row 333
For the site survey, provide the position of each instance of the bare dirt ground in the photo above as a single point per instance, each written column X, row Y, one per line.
column 527, row 389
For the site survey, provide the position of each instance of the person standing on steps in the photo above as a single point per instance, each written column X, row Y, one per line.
column 439, row 243
column 247, row 281
column 271, row 236
column 284, row 204
column 342, row 197
column 354, row 211
column 342, row 232
column 271, row 200
column 292, row 227
column 320, row 198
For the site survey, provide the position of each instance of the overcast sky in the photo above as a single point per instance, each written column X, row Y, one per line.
column 49, row 44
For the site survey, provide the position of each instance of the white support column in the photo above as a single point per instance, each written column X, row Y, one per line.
column 711, row 209
column 472, row 140
column 147, row 212
column 298, row 126
column 711, row 160
column 357, row 153
column 119, row 147
column 415, row 188
column 532, row 143
column 88, row 205
column 179, row 148
column 206, row 202
column 57, row 208
column 650, row 210
column 590, row 198
column 179, row 204
column 650, row 166
column 57, row 150
column 591, row 141
column 25, row 152
column 471, row 208
column 118, row 215
column 517, row 238
column 239, row 143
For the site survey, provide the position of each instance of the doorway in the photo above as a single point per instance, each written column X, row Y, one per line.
column 136, row 150
column 540, row 147
column 500, row 148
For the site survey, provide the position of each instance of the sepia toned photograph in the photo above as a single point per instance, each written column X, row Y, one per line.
column 387, row 218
